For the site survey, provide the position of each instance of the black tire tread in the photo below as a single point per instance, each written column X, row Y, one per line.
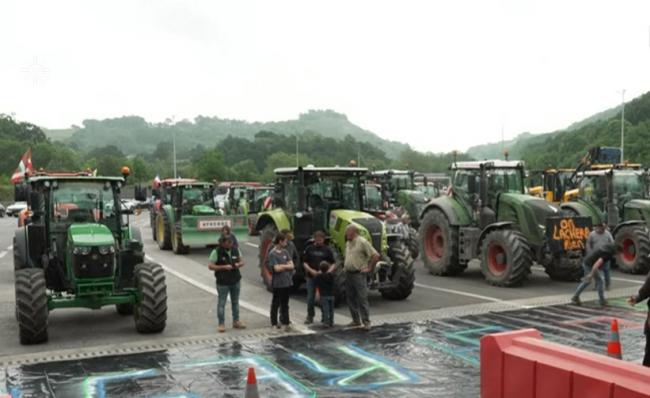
column 31, row 305
column 403, row 270
column 166, row 244
column 444, row 267
column 523, row 259
column 151, row 312
column 642, row 240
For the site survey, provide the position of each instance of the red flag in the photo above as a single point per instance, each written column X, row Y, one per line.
column 25, row 166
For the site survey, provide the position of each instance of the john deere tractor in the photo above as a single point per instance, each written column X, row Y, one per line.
column 183, row 215
column 488, row 216
column 618, row 195
column 77, row 249
column 329, row 199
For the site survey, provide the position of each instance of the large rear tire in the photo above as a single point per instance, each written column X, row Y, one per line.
column 150, row 313
column 403, row 273
column 635, row 242
column 505, row 258
column 266, row 241
column 163, row 231
column 31, row 305
column 439, row 245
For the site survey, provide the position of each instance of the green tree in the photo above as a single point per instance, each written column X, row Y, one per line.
column 211, row 166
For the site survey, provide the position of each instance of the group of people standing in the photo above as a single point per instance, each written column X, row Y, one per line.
column 320, row 266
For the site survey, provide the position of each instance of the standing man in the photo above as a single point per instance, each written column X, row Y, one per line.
column 312, row 257
column 360, row 260
column 282, row 270
column 597, row 238
column 644, row 294
column 226, row 231
column 226, row 261
column 591, row 265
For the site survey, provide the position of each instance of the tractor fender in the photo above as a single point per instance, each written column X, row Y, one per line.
column 20, row 248
column 627, row 223
column 493, row 227
column 276, row 216
column 446, row 206
column 576, row 208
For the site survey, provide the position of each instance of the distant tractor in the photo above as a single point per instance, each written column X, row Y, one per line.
column 77, row 249
column 259, row 199
column 183, row 215
column 619, row 196
column 230, row 197
column 553, row 185
column 487, row 216
column 432, row 185
column 329, row 199
column 399, row 190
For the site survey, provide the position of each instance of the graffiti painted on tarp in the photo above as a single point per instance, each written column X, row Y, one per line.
column 432, row 358
column 568, row 233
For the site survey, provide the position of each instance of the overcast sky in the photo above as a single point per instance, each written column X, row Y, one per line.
column 440, row 75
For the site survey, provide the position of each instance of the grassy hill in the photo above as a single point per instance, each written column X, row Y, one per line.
column 133, row 134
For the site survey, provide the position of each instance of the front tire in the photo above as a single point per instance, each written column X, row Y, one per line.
column 150, row 313
column 413, row 243
column 505, row 258
column 177, row 242
column 635, row 242
column 31, row 305
column 266, row 241
column 439, row 245
column 403, row 273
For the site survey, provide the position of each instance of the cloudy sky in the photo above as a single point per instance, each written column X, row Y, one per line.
column 440, row 75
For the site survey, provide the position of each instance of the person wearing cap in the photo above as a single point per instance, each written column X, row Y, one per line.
column 597, row 238
column 226, row 231
column 360, row 260
column 644, row 294
column 226, row 261
column 591, row 265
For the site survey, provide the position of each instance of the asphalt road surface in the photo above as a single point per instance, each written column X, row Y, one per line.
column 192, row 300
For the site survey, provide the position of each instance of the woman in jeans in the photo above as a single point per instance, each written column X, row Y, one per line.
column 282, row 268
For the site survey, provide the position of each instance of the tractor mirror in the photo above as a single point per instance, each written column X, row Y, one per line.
column 471, row 184
column 140, row 193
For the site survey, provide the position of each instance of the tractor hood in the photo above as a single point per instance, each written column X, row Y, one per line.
column 201, row 210
column 529, row 212
column 369, row 226
column 348, row 215
column 90, row 235
column 637, row 209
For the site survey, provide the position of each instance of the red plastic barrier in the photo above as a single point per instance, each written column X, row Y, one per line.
column 521, row 365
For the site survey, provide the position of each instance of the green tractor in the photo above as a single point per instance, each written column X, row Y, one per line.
column 183, row 215
column 259, row 199
column 618, row 196
column 487, row 215
column 329, row 199
column 399, row 190
column 77, row 249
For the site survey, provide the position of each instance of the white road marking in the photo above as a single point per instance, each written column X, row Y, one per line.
column 213, row 291
column 3, row 253
column 614, row 278
column 252, row 244
column 477, row 296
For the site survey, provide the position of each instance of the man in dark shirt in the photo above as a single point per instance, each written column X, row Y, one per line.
column 312, row 257
column 644, row 294
column 591, row 265
column 226, row 261
column 324, row 281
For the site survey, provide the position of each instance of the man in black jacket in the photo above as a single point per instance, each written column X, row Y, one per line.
column 226, row 261
column 644, row 294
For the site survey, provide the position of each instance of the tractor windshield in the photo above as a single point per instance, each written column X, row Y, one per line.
column 373, row 197
column 593, row 189
column 505, row 180
column 196, row 196
column 400, row 181
column 629, row 185
column 83, row 201
column 335, row 192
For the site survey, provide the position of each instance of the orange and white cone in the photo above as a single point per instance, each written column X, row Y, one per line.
column 614, row 343
column 251, row 385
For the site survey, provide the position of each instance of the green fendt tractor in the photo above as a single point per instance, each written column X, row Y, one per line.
column 488, row 216
column 77, row 249
column 619, row 196
column 329, row 199
column 399, row 190
column 184, row 215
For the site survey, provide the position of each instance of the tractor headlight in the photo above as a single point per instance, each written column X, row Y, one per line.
column 82, row 250
column 104, row 250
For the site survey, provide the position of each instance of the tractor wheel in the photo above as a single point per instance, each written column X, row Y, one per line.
column 150, row 313
column 124, row 309
column 413, row 243
column 561, row 269
column 505, row 258
column 163, row 231
column 439, row 243
column 177, row 242
column 31, row 305
column 266, row 241
column 20, row 251
column 403, row 273
column 635, row 242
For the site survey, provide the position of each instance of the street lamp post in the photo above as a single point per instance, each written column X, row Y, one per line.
column 623, row 126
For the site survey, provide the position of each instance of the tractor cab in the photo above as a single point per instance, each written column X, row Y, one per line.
column 554, row 185
column 230, row 197
column 398, row 189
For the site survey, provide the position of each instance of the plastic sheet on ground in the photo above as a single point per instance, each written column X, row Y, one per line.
column 433, row 358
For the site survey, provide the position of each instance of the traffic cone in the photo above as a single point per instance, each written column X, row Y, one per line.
column 251, row 385
column 614, row 343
